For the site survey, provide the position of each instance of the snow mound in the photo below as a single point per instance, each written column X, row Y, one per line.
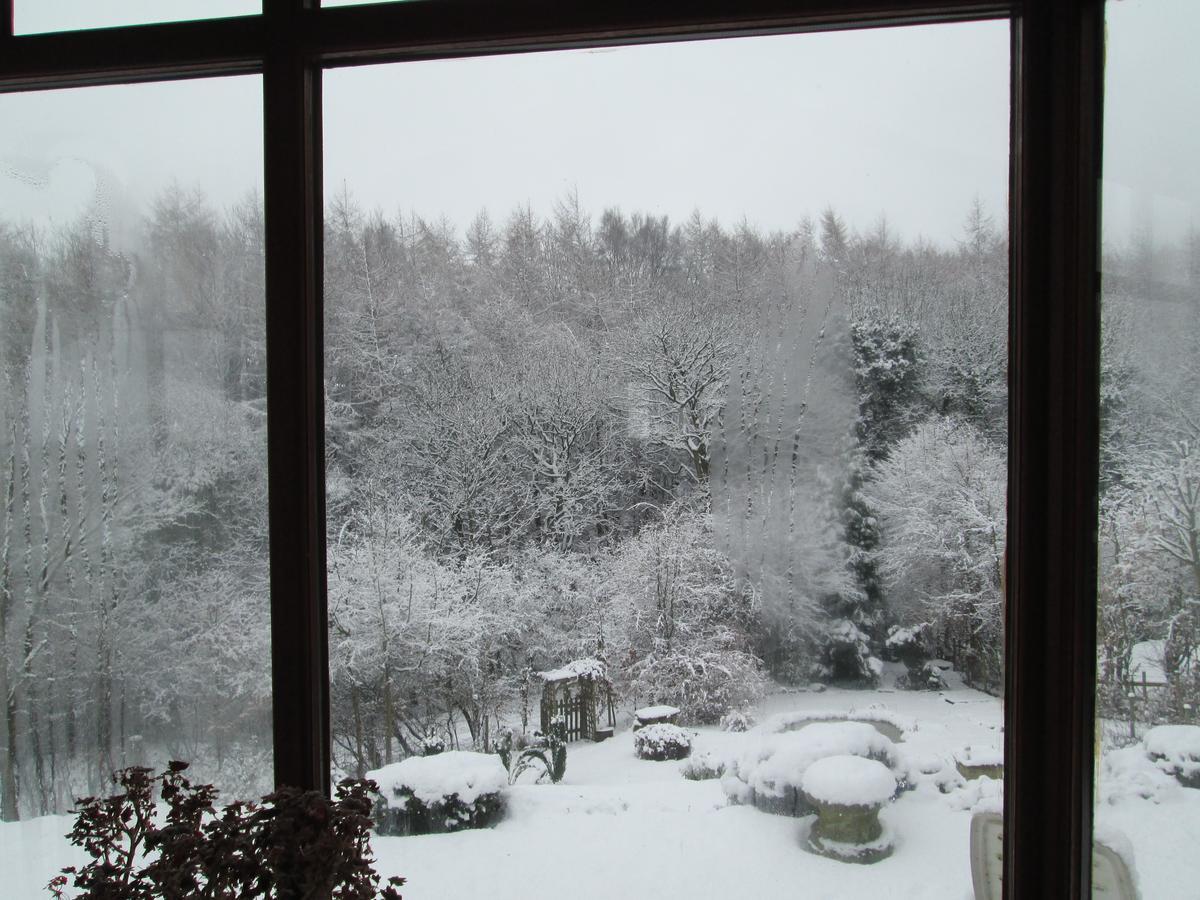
column 1176, row 749
column 1115, row 840
column 431, row 778
column 977, row 795
column 848, row 781
column 774, row 763
column 1127, row 774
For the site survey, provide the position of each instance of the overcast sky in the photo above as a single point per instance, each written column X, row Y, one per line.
column 911, row 123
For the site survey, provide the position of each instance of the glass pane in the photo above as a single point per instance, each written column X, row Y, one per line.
column 666, row 417
column 1148, row 733
column 36, row 16
column 666, row 387
column 134, row 609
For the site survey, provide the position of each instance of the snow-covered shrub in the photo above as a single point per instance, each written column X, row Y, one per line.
column 737, row 721
column 925, row 677
column 846, row 656
column 449, row 791
column 432, row 744
column 703, row 766
column 913, row 646
column 688, row 620
column 1128, row 773
column 1175, row 749
column 975, row 794
column 704, row 685
column 659, row 742
column 941, row 496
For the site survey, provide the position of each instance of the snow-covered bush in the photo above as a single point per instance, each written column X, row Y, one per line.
column 432, row 744
column 1175, row 749
column 913, row 646
column 449, row 791
column 941, row 496
column 688, row 622
column 846, row 656
column 660, row 742
column 973, row 795
column 925, row 677
column 704, row 685
column 1128, row 773
column 737, row 720
column 703, row 766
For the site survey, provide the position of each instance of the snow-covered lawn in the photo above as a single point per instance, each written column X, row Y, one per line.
column 620, row 826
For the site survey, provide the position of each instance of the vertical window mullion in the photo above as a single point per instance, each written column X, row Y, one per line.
column 295, row 421
column 1054, row 421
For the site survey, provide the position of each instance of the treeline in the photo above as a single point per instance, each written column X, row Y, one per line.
column 703, row 453
column 133, row 590
column 656, row 443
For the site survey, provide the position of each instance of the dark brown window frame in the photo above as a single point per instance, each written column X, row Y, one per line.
column 1057, row 80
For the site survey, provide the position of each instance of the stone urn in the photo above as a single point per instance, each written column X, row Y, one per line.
column 848, row 792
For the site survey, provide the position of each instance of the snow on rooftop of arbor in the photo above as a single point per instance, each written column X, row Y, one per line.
column 430, row 778
column 579, row 668
column 849, row 781
column 655, row 712
column 1175, row 744
column 980, row 756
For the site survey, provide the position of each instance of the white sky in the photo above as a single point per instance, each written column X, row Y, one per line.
column 909, row 122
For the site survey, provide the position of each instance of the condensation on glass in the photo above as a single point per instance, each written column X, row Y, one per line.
column 38, row 16
column 134, row 615
column 666, row 387
column 1148, row 665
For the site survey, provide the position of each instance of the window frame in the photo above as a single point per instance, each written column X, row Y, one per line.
column 1054, row 355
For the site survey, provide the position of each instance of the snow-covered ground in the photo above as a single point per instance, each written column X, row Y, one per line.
column 620, row 826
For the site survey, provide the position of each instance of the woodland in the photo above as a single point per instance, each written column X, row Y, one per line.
column 714, row 458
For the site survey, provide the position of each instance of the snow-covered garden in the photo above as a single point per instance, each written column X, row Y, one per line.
column 618, row 825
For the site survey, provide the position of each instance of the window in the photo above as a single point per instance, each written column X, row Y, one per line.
column 134, row 606
column 618, row 388
column 1148, row 689
column 1054, row 415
